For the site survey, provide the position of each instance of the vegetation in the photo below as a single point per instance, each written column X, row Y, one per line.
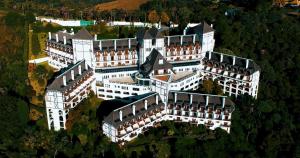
column 210, row 87
column 266, row 127
column 117, row 4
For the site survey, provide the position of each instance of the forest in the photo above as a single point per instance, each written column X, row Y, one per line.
column 266, row 127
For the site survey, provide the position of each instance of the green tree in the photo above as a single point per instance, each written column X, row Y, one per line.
column 207, row 86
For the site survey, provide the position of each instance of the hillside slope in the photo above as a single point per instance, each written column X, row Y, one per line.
column 120, row 4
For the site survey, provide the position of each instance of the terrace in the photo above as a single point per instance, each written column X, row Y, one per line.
column 228, row 70
column 60, row 46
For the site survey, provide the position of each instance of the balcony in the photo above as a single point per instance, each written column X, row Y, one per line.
column 178, row 119
column 209, row 124
column 82, row 94
column 121, row 131
column 67, row 106
column 226, row 118
column 209, row 110
column 225, row 124
column 194, row 121
column 132, row 135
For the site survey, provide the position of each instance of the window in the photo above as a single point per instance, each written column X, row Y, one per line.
column 61, row 124
column 135, row 89
column 153, row 42
column 161, row 61
column 117, row 92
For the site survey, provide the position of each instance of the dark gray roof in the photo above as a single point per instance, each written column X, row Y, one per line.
column 57, row 83
column 186, row 39
column 240, row 63
column 186, row 63
column 200, row 29
column 121, row 44
column 206, row 28
column 152, row 63
column 183, row 99
column 61, row 35
column 198, row 99
column 151, row 33
column 83, row 34
column 113, row 117
column 116, row 69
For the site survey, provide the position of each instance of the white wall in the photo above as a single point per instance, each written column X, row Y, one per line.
column 54, row 102
column 83, row 50
column 61, row 22
column 208, row 42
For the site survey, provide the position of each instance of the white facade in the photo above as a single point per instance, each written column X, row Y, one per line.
column 208, row 42
column 66, row 92
column 65, row 22
column 117, row 58
column 125, row 124
column 147, row 63
column 83, row 50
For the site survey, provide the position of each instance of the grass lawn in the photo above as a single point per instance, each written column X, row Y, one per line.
column 40, row 89
column 41, row 41
column 2, row 13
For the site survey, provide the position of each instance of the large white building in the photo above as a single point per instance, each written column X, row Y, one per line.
column 127, row 122
column 66, row 91
column 158, row 65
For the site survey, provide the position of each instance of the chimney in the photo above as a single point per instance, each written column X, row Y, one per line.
column 121, row 115
column 129, row 43
column 209, row 55
column 233, row 60
column 223, row 102
column 206, row 102
column 168, row 40
column 72, row 31
column 175, row 97
column 72, row 74
column 211, row 25
column 86, row 65
column 65, row 40
column 64, row 80
column 146, row 104
column 247, row 63
column 115, row 44
column 184, row 31
column 221, row 58
column 56, row 36
column 133, row 109
column 79, row 69
column 194, row 38
column 156, row 98
column 100, row 45
column 191, row 99
column 49, row 35
column 95, row 37
column 181, row 39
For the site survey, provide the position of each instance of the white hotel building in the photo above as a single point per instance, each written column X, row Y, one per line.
column 158, row 65
column 126, row 122
column 66, row 91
